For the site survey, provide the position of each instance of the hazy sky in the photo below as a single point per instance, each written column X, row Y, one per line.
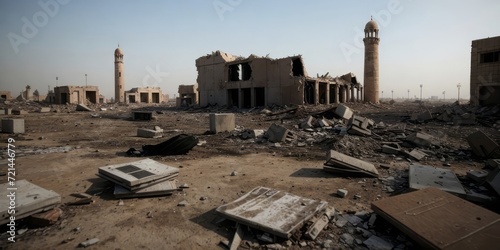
column 421, row 42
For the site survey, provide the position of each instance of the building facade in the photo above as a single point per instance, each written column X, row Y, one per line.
column 225, row 79
column 76, row 94
column 485, row 72
column 144, row 95
column 188, row 95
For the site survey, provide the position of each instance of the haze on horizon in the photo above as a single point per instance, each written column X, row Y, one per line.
column 421, row 42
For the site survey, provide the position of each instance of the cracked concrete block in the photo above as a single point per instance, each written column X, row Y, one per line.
column 148, row 133
column 416, row 154
column 344, row 111
column 13, row 126
column 390, row 150
column 276, row 133
column 342, row 193
column 222, row 122
column 421, row 139
column 477, row 175
column 483, row 146
column 82, row 107
column 44, row 110
column 308, row 123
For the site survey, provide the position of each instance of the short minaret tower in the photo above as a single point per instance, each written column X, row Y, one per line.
column 371, row 84
column 119, row 77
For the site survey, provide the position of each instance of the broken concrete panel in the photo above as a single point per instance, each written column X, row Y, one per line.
column 426, row 176
column 308, row 123
column 494, row 163
column 19, row 112
column 44, row 110
column 30, row 199
column 139, row 174
column 82, row 107
column 390, row 150
column 341, row 163
column 377, row 243
column 353, row 130
column 142, row 115
column 421, row 139
column 318, row 226
column 272, row 211
column 416, row 154
column 456, row 223
column 222, row 122
column 323, row 123
column 148, row 133
column 13, row 126
column 276, row 133
column 159, row 189
column 483, row 146
column 344, row 112
column 493, row 180
column 477, row 175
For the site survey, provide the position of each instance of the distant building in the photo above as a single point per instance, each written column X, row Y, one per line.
column 229, row 80
column 188, row 95
column 144, row 95
column 485, row 72
column 6, row 95
column 76, row 94
column 371, row 73
column 119, row 76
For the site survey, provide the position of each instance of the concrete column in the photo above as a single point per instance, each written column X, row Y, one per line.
column 336, row 94
column 316, row 93
column 327, row 94
column 357, row 94
column 348, row 93
column 353, row 99
column 342, row 94
column 362, row 94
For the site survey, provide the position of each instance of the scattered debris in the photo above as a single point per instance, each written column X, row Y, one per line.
column 340, row 163
column 483, row 146
column 82, row 107
column 177, row 145
column 89, row 242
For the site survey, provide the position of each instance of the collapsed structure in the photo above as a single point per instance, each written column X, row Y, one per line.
column 188, row 95
column 485, row 72
column 76, row 94
column 230, row 80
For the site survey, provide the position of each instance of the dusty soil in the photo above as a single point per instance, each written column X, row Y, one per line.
column 62, row 151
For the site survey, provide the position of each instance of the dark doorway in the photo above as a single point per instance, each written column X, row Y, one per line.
column 260, row 97
column 489, row 95
column 333, row 92
column 64, row 98
column 131, row 98
column 232, row 98
column 322, row 92
column 155, row 97
column 91, row 96
column 144, row 97
column 246, row 96
column 309, row 93
column 297, row 67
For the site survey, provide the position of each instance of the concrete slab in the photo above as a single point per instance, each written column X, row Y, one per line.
column 493, row 180
column 13, row 126
column 272, row 211
column 483, row 146
column 44, row 110
column 390, row 150
column 82, row 107
column 276, row 133
column 439, row 220
column 344, row 112
column 477, row 175
column 341, row 163
column 222, row 122
column 139, row 174
column 142, row 115
column 353, row 130
column 421, row 139
column 149, row 133
column 416, row 154
column 30, row 199
column 162, row 188
column 426, row 176
column 19, row 112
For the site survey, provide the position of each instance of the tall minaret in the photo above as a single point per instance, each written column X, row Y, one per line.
column 119, row 77
column 371, row 41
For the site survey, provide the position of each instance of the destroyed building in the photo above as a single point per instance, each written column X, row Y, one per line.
column 6, row 95
column 144, row 95
column 188, row 95
column 225, row 79
column 76, row 94
column 485, row 72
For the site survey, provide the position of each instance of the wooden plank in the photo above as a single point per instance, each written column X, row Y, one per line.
column 438, row 220
column 271, row 211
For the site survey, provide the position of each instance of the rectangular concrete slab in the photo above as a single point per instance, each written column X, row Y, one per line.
column 222, row 122
column 162, row 188
column 13, row 126
column 422, row 176
column 30, row 199
column 344, row 112
column 272, row 211
column 149, row 133
column 493, row 179
column 142, row 115
column 138, row 174
column 438, row 220
column 483, row 146
column 338, row 162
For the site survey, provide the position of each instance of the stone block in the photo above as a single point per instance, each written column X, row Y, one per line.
column 276, row 133
column 421, row 139
column 342, row 193
column 222, row 122
column 19, row 112
column 148, row 133
column 483, row 146
column 44, row 110
column 13, row 126
column 82, row 107
column 344, row 112
column 308, row 123
column 477, row 175
column 390, row 150
column 416, row 154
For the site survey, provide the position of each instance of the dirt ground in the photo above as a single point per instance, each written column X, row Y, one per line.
column 62, row 151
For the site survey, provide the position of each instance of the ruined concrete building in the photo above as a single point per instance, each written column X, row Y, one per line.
column 188, row 95
column 485, row 72
column 76, row 94
column 229, row 80
column 144, row 95
column 6, row 95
